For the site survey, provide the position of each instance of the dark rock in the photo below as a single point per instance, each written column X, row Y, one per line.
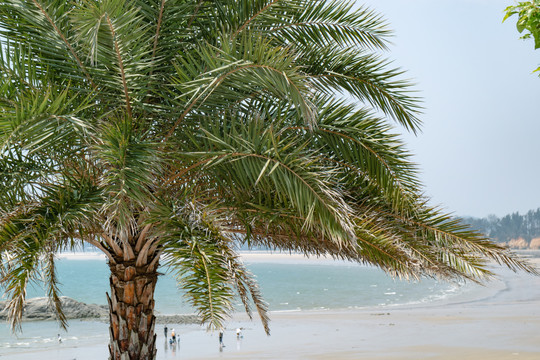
column 40, row 309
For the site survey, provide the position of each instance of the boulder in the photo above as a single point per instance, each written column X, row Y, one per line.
column 40, row 309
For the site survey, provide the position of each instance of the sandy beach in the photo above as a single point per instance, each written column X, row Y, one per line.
column 496, row 322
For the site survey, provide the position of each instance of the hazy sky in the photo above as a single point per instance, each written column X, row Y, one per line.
column 479, row 149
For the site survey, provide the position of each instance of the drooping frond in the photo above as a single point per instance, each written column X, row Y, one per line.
column 206, row 266
column 366, row 77
column 249, row 164
column 53, row 293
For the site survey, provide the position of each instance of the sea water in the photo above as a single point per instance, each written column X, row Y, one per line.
column 285, row 286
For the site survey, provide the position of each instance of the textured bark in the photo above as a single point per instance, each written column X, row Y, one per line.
column 131, row 310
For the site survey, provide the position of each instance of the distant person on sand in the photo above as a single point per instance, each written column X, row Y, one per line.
column 238, row 333
column 59, row 339
column 165, row 330
column 173, row 334
column 221, row 338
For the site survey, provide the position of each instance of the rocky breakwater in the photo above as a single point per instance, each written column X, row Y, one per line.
column 40, row 309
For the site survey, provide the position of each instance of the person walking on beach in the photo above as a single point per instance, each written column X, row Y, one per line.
column 59, row 339
column 165, row 331
column 221, row 339
column 238, row 333
column 173, row 335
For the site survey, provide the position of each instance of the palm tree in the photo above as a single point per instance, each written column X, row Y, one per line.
column 167, row 133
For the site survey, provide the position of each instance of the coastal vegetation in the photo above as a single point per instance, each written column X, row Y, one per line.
column 515, row 230
column 169, row 133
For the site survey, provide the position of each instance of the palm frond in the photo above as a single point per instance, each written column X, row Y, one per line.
column 129, row 164
column 199, row 252
column 245, row 283
column 234, row 72
column 43, row 26
column 201, row 270
column 250, row 163
column 40, row 122
column 366, row 77
column 31, row 232
column 453, row 236
column 114, row 39
column 53, row 292
column 21, row 247
column 17, row 272
column 332, row 23
column 366, row 154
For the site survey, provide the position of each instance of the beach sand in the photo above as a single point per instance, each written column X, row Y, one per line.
column 497, row 322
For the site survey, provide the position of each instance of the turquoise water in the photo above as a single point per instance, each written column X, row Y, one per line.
column 284, row 286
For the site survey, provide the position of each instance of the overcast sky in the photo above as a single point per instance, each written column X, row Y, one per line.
column 479, row 149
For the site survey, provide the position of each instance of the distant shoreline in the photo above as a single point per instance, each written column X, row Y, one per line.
column 268, row 257
column 247, row 256
column 81, row 255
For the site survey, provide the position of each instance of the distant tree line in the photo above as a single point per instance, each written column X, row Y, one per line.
column 510, row 227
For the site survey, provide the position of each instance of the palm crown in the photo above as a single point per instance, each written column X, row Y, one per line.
column 178, row 129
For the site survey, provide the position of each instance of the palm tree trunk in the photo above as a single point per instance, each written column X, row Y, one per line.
column 131, row 311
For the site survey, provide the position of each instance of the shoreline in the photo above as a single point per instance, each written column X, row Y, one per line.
column 251, row 256
column 269, row 256
column 497, row 322
column 465, row 331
